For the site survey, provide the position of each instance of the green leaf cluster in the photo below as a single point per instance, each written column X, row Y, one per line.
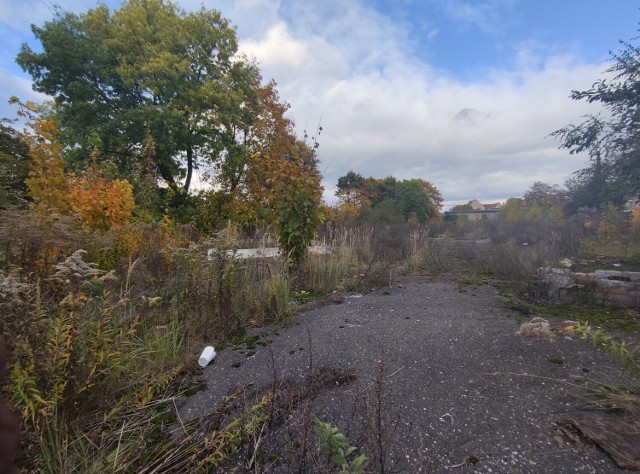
column 542, row 202
column 146, row 70
column 339, row 448
column 151, row 93
column 298, row 204
column 14, row 166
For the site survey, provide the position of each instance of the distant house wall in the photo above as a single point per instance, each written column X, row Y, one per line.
column 478, row 211
column 476, row 205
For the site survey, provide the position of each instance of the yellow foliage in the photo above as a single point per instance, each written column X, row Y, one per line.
column 516, row 209
column 143, row 240
column 47, row 256
column 47, row 181
column 102, row 203
column 329, row 214
column 131, row 240
column 347, row 211
column 614, row 224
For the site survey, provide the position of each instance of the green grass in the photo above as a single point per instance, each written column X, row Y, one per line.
column 247, row 344
column 603, row 254
column 520, row 306
column 559, row 360
column 472, row 279
column 623, row 248
column 606, row 318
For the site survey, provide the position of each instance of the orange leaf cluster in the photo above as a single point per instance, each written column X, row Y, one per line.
column 101, row 202
column 280, row 166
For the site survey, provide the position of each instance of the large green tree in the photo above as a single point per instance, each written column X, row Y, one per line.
column 155, row 92
column 414, row 200
column 544, row 194
column 148, row 69
column 611, row 138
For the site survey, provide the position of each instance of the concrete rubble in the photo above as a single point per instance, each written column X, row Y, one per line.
column 611, row 288
column 266, row 252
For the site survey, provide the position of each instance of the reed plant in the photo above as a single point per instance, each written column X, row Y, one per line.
column 350, row 253
column 424, row 252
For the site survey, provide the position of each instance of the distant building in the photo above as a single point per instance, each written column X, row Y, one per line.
column 475, row 211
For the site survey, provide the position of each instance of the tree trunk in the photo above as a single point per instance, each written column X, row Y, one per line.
column 187, row 182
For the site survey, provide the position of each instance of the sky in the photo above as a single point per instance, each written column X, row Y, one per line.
column 461, row 93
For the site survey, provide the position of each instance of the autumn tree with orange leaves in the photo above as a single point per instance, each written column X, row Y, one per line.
column 283, row 175
column 100, row 202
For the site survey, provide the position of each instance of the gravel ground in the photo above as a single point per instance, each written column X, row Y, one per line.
column 454, row 367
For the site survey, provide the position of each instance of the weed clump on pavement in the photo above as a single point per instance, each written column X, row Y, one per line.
column 537, row 328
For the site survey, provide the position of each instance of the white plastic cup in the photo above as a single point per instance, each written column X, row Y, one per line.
column 208, row 354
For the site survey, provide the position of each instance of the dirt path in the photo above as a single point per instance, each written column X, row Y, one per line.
column 466, row 387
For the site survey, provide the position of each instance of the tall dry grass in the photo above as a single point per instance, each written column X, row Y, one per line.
column 513, row 251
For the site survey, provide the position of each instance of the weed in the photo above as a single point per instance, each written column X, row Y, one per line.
column 225, row 442
column 518, row 249
column 471, row 279
column 619, row 351
column 381, row 429
column 279, row 297
column 615, row 398
column 117, row 322
column 307, row 296
column 250, row 341
column 339, row 449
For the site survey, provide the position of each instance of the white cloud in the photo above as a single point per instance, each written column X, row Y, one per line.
column 396, row 116
column 431, row 34
column 278, row 48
